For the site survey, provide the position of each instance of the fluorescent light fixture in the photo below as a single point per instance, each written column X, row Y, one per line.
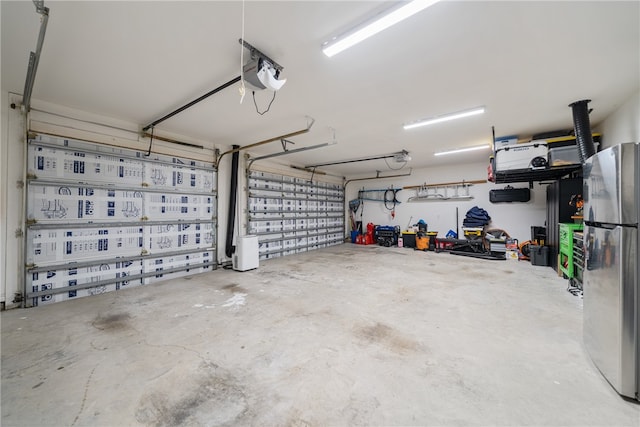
column 445, row 118
column 462, row 150
column 382, row 23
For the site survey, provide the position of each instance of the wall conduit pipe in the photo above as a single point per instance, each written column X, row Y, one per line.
column 233, row 191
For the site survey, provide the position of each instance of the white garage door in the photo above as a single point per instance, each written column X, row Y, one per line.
column 101, row 218
column 291, row 215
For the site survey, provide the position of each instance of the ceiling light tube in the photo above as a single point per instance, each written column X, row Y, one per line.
column 445, row 118
column 461, row 150
column 382, row 23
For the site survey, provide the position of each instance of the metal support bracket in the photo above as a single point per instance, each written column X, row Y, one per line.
column 284, row 143
column 34, row 57
column 255, row 53
column 40, row 6
column 310, row 123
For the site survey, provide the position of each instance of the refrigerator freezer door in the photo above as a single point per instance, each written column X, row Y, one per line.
column 610, row 298
column 611, row 182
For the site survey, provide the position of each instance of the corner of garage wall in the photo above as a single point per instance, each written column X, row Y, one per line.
column 623, row 125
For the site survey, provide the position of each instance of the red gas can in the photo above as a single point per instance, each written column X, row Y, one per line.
column 369, row 236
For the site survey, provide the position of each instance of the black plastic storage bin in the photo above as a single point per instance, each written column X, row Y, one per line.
column 538, row 235
column 539, row 255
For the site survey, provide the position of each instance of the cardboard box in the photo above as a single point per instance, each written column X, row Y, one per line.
column 503, row 141
column 512, row 255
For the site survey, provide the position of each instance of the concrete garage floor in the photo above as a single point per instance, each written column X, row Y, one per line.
column 348, row 335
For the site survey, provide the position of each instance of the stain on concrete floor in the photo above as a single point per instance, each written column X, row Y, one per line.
column 114, row 322
column 209, row 396
column 386, row 336
column 234, row 287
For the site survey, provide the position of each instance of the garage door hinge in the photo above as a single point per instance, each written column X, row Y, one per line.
column 144, row 218
column 32, row 135
column 31, row 221
column 144, row 252
column 32, row 176
column 144, row 184
column 30, row 266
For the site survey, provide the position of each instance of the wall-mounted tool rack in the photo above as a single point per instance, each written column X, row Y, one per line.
column 443, row 191
column 292, row 215
column 386, row 195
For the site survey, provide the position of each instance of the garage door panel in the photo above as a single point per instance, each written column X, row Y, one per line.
column 292, row 215
column 102, row 218
column 52, row 203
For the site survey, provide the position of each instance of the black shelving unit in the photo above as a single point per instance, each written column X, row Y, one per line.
column 564, row 181
column 528, row 175
column 559, row 211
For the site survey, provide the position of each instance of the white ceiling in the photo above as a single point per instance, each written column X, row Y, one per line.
column 524, row 61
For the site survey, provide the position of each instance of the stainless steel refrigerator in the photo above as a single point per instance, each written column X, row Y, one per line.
column 612, row 271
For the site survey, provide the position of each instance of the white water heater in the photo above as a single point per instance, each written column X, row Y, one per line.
column 246, row 256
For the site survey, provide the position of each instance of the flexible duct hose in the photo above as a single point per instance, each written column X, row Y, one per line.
column 582, row 128
column 233, row 191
